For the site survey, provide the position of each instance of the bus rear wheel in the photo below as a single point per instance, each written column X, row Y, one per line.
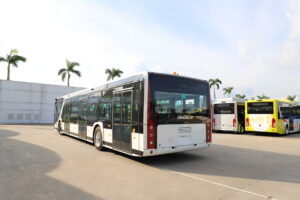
column 98, row 139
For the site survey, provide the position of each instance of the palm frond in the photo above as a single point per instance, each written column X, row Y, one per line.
column 78, row 73
column 63, row 76
column 73, row 65
column 61, row 71
column 17, row 58
column 108, row 71
column 2, row 59
column 109, row 77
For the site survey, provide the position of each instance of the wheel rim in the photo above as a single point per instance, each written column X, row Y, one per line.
column 97, row 139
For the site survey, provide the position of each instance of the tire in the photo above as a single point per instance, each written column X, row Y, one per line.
column 286, row 130
column 241, row 129
column 59, row 129
column 98, row 139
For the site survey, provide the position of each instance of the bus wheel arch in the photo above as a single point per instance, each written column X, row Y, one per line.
column 97, row 138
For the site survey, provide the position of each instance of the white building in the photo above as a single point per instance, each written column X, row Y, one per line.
column 29, row 103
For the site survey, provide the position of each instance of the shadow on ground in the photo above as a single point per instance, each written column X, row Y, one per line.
column 226, row 161
column 23, row 168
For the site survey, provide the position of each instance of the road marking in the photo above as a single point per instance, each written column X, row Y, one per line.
column 215, row 183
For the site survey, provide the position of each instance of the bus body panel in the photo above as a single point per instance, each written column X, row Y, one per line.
column 107, row 135
column 261, row 123
column 225, row 122
column 169, row 150
column 174, row 135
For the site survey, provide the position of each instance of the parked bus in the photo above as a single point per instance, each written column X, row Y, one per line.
column 229, row 115
column 270, row 115
column 291, row 116
column 141, row 115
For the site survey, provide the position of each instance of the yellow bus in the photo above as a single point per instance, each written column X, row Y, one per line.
column 267, row 116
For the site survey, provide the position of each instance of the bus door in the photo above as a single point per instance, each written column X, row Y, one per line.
column 241, row 114
column 82, row 117
column 122, row 120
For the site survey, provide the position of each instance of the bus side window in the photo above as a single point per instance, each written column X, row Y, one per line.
column 93, row 103
column 74, row 111
column 105, row 111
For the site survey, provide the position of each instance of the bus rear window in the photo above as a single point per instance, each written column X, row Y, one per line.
column 224, row 108
column 178, row 100
column 260, row 108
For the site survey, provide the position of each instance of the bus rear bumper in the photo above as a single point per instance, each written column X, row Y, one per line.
column 168, row 150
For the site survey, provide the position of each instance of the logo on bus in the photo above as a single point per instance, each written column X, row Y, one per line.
column 185, row 117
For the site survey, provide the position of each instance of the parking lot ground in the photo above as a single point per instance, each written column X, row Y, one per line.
column 37, row 163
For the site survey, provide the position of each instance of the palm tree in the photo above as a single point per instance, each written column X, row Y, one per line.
column 291, row 98
column 12, row 59
column 70, row 68
column 240, row 96
column 215, row 83
column 263, row 96
column 112, row 73
column 227, row 90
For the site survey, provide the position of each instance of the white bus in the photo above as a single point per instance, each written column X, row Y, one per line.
column 229, row 115
column 142, row 115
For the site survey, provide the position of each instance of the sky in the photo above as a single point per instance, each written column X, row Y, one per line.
column 251, row 45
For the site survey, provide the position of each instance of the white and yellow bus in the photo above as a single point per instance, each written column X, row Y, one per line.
column 271, row 116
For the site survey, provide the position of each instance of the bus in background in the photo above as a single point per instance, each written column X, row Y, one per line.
column 141, row 115
column 229, row 115
column 291, row 116
column 269, row 115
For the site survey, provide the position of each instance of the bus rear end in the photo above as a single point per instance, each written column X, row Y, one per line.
column 261, row 116
column 225, row 117
column 178, row 114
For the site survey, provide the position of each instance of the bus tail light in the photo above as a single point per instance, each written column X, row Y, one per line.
column 151, row 126
column 151, row 141
column 234, row 122
column 208, row 131
column 273, row 123
column 247, row 122
column 214, row 122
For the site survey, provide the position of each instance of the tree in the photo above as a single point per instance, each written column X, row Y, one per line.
column 227, row 90
column 12, row 59
column 263, row 96
column 112, row 73
column 240, row 96
column 215, row 83
column 70, row 68
column 291, row 98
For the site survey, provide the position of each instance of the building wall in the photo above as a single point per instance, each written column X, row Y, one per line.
column 29, row 103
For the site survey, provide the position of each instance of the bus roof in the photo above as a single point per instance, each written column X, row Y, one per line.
column 271, row 100
column 229, row 100
column 114, row 83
